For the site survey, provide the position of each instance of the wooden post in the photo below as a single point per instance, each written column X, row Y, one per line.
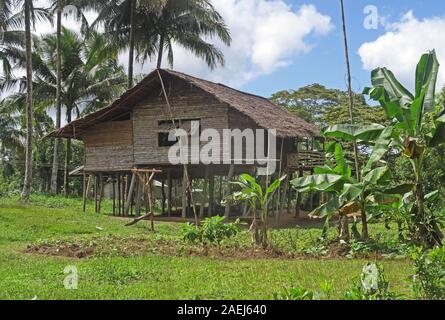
column 204, row 194
column 139, row 192
column 211, row 196
column 289, row 195
column 85, row 194
column 101, row 189
column 163, row 197
column 284, row 193
column 169, row 192
column 184, row 194
column 95, row 193
column 130, row 195
column 229, row 189
column 113, row 190
column 298, row 196
column 150, row 202
column 119, row 194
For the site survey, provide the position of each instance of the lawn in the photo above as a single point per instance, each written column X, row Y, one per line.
column 128, row 264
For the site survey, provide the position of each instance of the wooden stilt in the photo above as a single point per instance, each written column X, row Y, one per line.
column 163, row 197
column 85, row 194
column 204, row 194
column 113, row 193
column 211, row 210
column 298, row 198
column 95, row 193
column 139, row 192
column 229, row 190
column 130, row 194
column 283, row 195
column 184, row 194
column 101, row 192
column 289, row 195
column 119, row 194
column 169, row 193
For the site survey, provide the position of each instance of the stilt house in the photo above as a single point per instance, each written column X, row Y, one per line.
column 132, row 133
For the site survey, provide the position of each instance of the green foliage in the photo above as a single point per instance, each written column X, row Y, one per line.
column 297, row 293
column 213, row 230
column 372, row 285
column 324, row 106
column 429, row 278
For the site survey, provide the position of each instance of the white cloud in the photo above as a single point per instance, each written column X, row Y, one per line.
column 267, row 35
column 400, row 48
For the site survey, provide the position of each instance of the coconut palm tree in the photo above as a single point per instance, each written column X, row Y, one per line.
column 29, row 107
column 12, row 39
column 152, row 27
column 91, row 77
column 58, row 7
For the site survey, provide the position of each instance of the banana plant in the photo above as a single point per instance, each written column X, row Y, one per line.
column 347, row 194
column 416, row 124
column 258, row 199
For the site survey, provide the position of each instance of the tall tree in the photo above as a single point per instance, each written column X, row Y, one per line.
column 91, row 77
column 155, row 25
column 29, row 106
column 55, row 166
column 351, row 112
column 58, row 7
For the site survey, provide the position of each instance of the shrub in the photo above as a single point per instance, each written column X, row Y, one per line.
column 299, row 293
column 372, row 285
column 213, row 230
column 429, row 278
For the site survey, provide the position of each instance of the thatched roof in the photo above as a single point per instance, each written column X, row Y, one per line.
column 263, row 112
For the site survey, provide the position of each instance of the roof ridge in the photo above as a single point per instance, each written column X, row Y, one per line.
column 218, row 83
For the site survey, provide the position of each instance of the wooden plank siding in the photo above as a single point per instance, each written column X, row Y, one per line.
column 109, row 146
column 191, row 104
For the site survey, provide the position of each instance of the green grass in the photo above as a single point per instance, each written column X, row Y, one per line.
column 151, row 275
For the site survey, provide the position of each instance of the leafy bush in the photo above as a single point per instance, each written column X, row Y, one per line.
column 299, row 293
column 213, row 230
column 191, row 233
column 429, row 278
column 372, row 285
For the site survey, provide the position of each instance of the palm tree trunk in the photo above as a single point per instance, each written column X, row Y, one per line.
column 29, row 108
column 160, row 51
column 55, row 169
column 131, row 43
column 67, row 157
column 351, row 115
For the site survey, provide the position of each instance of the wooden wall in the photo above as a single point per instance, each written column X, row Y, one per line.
column 187, row 103
column 122, row 145
column 109, row 146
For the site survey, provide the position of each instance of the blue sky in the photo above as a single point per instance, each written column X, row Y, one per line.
column 287, row 44
column 325, row 62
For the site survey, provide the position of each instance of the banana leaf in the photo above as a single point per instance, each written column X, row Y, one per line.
column 349, row 132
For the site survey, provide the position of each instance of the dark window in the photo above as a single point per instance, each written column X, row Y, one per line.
column 163, row 139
